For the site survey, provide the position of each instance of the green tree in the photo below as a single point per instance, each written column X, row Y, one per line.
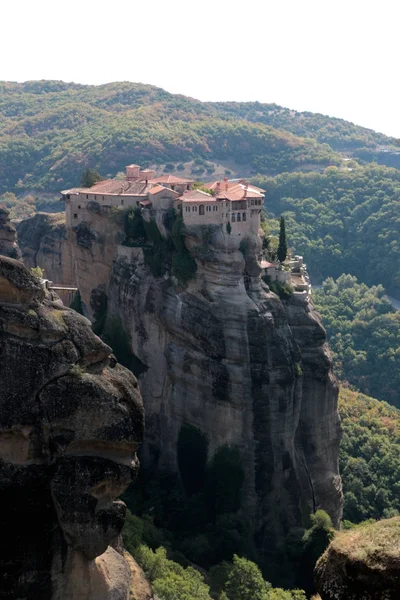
column 89, row 177
column 245, row 581
column 315, row 540
column 282, row 246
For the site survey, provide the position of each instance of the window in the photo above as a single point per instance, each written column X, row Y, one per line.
column 87, row 196
column 122, row 202
column 95, row 197
column 195, row 208
column 252, row 201
column 244, row 216
column 75, row 216
column 201, row 209
column 79, row 205
column 238, row 217
column 233, row 217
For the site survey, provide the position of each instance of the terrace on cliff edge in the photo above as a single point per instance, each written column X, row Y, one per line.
column 236, row 380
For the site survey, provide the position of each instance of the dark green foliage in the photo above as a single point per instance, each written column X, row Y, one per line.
column 116, row 337
column 184, row 266
column 369, row 457
column 158, row 256
column 76, row 303
column 244, row 247
column 134, row 228
column 282, row 246
column 341, row 221
column 47, row 133
column 228, row 228
column 315, row 541
column 364, row 333
column 225, row 478
column 192, row 458
column 283, row 290
column 89, row 177
column 245, row 581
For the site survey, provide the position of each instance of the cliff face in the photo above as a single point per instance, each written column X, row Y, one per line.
column 362, row 564
column 70, row 423
column 80, row 255
column 41, row 240
column 229, row 358
column 8, row 235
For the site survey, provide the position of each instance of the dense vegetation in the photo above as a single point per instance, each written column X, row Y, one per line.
column 342, row 221
column 369, row 457
column 338, row 133
column 50, row 131
column 174, row 578
column 364, row 334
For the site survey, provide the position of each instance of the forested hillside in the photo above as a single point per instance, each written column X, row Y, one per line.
column 369, row 457
column 50, row 131
column 342, row 221
column 364, row 334
column 338, row 133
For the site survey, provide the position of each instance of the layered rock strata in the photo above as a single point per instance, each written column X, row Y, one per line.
column 362, row 564
column 228, row 357
column 71, row 419
column 8, row 235
column 41, row 240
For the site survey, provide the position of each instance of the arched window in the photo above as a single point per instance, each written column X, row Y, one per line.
column 244, row 216
column 201, row 209
column 233, row 217
column 238, row 217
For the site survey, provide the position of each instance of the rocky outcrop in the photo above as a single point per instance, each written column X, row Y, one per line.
column 227, row 356
column 81, row 255
column 70, row 423
column 224, row 355
column 8, row 235
column 362, row 564
column 41, row 239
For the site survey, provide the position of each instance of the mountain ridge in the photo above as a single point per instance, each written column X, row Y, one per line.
column 51, row 130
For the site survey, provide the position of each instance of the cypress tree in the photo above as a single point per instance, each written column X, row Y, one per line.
column 282, row 247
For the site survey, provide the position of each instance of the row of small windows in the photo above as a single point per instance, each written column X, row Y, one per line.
column 238, row 217
column 201, row 209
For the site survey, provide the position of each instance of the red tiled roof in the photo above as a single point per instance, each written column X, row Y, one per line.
column 267, row 265
column 156, row 189
column 116, row 187
column 145, row 202
column 225, row 186
column 170, row 179
column 197, row 196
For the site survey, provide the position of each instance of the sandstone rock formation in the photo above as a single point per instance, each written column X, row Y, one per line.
column 70, row 424
column 41, row 239
column 8, row 235
column 228, row 357
column 80, row 256
column 362, row 564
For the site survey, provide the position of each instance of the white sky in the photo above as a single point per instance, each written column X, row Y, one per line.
column 339, row 58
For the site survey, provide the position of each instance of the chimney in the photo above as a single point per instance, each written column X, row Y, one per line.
column 132, row 172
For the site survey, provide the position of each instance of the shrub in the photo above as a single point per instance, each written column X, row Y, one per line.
column 76, row 303
column 134, row 227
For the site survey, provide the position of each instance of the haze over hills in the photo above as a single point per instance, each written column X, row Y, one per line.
column 51, row 130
